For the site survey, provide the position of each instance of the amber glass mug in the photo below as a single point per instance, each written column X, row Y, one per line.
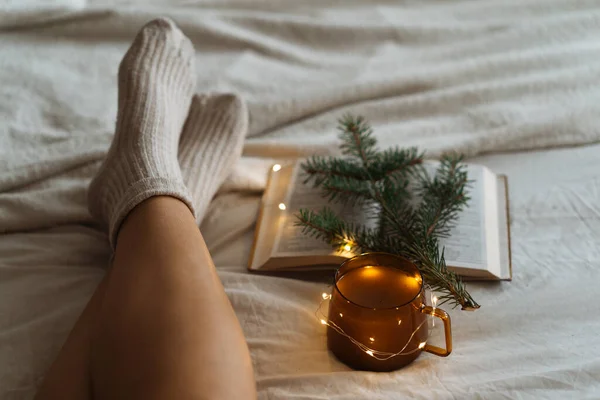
column 378, row 316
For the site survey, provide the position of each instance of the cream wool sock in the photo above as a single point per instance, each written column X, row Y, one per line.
column 210, row 144
column 156, row 83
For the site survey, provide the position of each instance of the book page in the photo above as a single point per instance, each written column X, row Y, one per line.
column 291, row 241
column 466, row 245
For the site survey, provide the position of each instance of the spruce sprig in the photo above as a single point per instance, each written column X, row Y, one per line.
column 413, row 210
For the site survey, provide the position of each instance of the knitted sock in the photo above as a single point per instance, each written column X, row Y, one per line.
column 156, row 83
column 210, row 144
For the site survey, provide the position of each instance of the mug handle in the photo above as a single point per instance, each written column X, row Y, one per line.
column 443, row 315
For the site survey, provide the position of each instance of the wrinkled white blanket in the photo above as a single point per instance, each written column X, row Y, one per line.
column 472, row 76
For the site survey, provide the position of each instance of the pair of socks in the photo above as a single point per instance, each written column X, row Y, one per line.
column 168, row 141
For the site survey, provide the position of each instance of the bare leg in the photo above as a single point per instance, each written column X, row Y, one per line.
column 166, row 329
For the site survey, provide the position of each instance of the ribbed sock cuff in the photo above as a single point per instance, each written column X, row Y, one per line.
column 143, row 190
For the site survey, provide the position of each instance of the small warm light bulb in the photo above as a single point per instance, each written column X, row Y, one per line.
column 323, row 322
column 422, row 344
column 399, row 321
column 370, row 352
column 434, row 300
column 281, row 206
column 347, row 247
column 276, row 167
column 372, row 339
column 341, row 315
column 325, row 296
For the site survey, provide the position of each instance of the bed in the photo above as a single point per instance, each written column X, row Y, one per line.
column 513, row 85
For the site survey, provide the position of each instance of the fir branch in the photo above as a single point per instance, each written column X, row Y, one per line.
column 380, row 181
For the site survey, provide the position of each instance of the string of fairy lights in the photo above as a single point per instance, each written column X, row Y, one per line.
column 379, row 355
column 324, row 319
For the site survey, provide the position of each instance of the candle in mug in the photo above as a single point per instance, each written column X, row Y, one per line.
column 379, row 286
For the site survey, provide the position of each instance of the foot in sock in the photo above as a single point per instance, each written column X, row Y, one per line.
column 156, row 83
column 210, row 144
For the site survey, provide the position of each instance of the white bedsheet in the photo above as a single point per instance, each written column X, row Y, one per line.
column 477, row 77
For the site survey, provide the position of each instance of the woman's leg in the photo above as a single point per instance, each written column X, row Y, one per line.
column 166, row 329
column 211, row 142
column 166, row 320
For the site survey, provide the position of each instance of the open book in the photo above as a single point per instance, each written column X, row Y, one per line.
column 477, row 248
